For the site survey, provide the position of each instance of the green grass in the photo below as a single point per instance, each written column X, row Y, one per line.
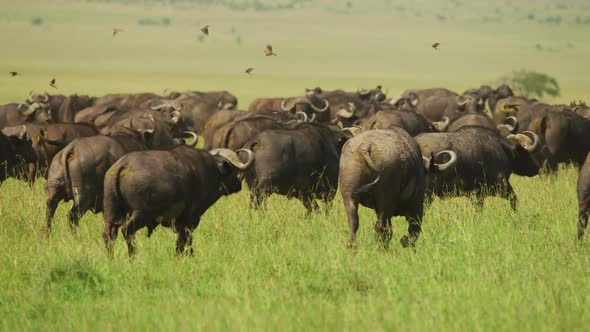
column 493, row 269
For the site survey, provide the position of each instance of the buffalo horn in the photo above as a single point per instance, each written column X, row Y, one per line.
column 303, row 116
column 320, row 110
column 194, row 136
column 233, row 157
column 284, row 106
column 343, row 112
column 32, row 109
column 441, row 125
column 448, row 164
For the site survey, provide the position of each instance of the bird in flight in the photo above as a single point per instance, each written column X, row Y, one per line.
column 268, row 50
column 205, row 30
column 52, row 84
column 116, row 31
column 435, row 46
column 249, row 71
column 13, row 73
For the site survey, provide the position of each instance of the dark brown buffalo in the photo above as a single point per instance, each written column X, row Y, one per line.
column 510, row 107
column 564, row 136
column 301, row 162
column 494, row 96
column 46, row 141
column 63, row 109
column 583, row 190
column 477, row 119
column 271, row 104
column 349, row 107
column 384, row 170
column 12, row 162
column 18, row 114
column 171, row 187
column 485, row 161
column 197, row 107
column 410, row 121
column 222, row 118
column 125, row 101
column 77, row 172
column 235, row 134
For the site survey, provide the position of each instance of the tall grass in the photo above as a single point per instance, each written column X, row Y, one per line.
column 493, row 269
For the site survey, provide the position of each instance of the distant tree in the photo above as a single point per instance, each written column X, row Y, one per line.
column 532, row 84
column 37, row 21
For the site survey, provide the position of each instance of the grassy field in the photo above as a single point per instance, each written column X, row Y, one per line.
column 493, row 269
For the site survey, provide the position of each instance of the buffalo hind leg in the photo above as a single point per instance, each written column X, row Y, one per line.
column 55, row 195
column 351, row 205
column 383, row 229
column 414, row 228
column 135, row 223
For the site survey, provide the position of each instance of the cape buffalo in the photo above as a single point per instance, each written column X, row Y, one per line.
column 63, row 109
column 77, row 172
column 384, row 170
column 485, row 161
column 236, row 133
column 18, row 114
column 171, row 187
column 197, row 107
column 12, row 164
column 222, row 118
column 410, row 121
column 46, row 141
column 583, row 197
column 565, row 137
column 301, row 162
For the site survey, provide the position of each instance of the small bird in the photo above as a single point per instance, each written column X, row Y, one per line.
column 249, row 70
column 52, row 84
column 205, row 30
column 116, row 31
column 435, row 46
column 13, row 73
column 268, row 50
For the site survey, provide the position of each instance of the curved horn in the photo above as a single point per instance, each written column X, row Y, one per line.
column 364, row 92
column 45, row 97
column 441, row 125
column 320, row 110
column 345, row 113
column 448, row 164
column 312, row 118
column 535, row 138
column 233, row 157
column 32, row 109
column 511, row 126
column 284, row 106
column 194, row 136
column 303, row 115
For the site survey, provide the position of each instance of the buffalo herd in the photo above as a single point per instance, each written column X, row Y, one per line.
column 133, row 157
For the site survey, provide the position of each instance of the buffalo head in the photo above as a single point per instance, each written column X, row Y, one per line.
column 230, row 164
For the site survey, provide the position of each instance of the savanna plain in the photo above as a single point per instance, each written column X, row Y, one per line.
column 488, row 269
